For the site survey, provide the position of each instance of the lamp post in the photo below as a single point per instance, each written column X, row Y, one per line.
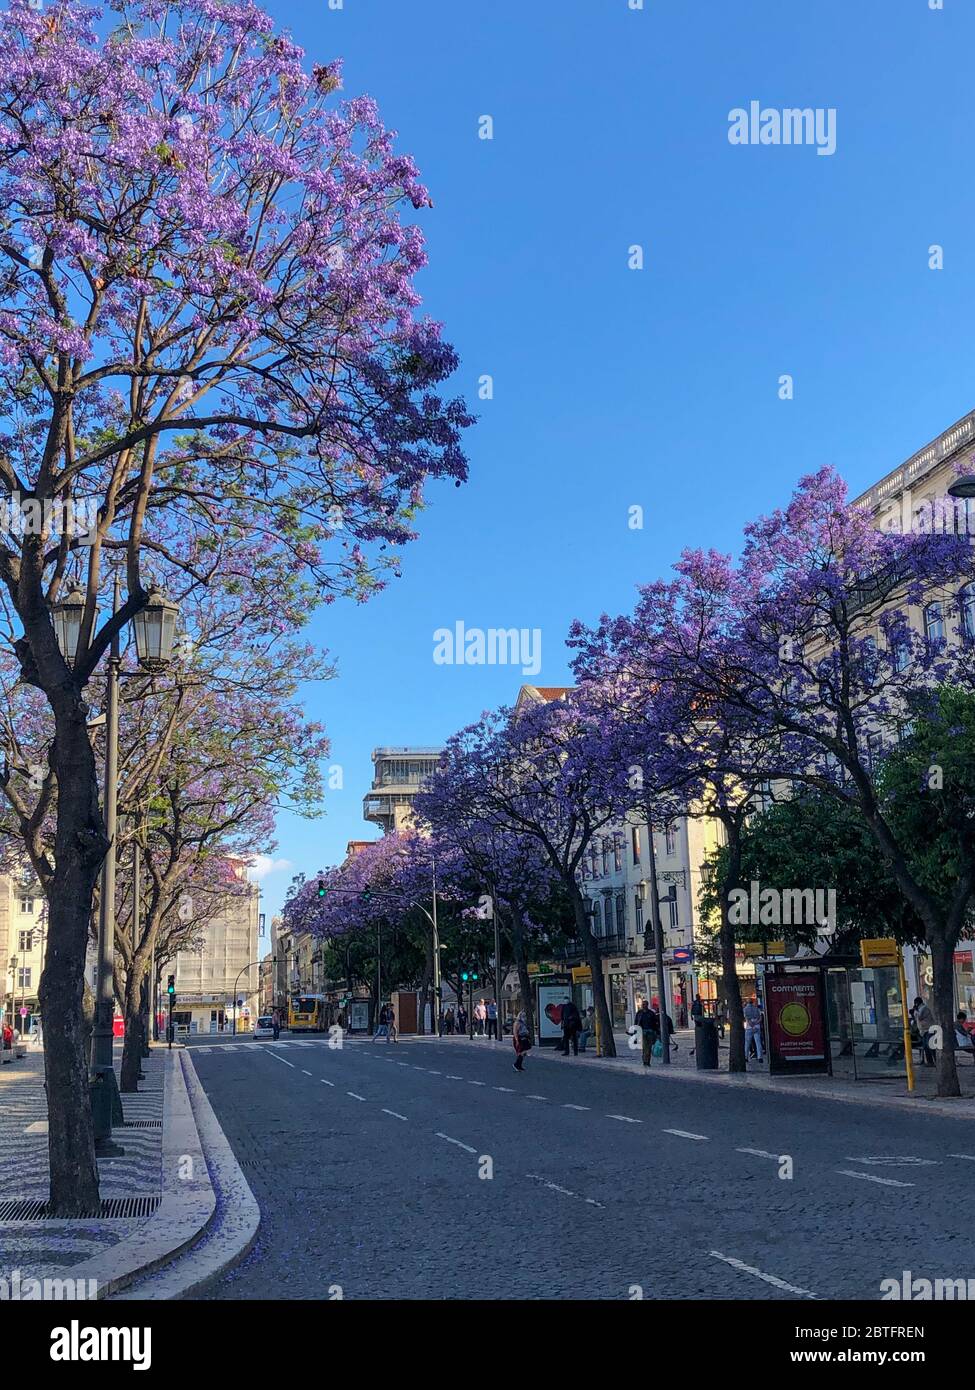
column 658, row 942
column 963, row 487
column 155, row 628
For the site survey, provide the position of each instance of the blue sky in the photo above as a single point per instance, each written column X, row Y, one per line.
column 658, row 388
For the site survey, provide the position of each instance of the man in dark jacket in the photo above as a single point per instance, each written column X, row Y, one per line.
column 648, row 1021
column 571, row 1027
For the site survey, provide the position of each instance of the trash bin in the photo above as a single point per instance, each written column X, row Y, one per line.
column 706, row 1044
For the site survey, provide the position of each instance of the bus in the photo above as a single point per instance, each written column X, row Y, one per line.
column 308, row 1013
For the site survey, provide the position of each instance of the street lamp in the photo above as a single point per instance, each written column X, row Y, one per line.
column 154, row 647
column 963, row 487
column 67, row 614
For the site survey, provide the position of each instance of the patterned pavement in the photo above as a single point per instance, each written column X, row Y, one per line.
column 36, row 1248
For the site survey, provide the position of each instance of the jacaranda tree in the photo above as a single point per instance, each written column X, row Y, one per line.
column 210, row 354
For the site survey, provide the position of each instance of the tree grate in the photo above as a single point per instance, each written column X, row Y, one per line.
column 110, row 1209
column 142, row 1124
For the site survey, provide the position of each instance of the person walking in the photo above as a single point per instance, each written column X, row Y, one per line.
column 571, row 1028
column 276, row 1024
column 753, row 1028
column 521, row 1039
column 392, row 1032
column 480, row 1017
column 382, row 1028
column 697, row 1009
column 461, row 1019
column 448, row 1020
column 492, row 1019
column 648, row 1021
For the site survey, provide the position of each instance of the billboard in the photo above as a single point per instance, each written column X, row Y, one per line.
column 796, row 1020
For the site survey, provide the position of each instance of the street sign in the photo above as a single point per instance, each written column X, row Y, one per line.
column 683, row 955
column 879, row 950
column 23, row 1011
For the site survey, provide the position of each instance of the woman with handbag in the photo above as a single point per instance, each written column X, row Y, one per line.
column 521, row 1039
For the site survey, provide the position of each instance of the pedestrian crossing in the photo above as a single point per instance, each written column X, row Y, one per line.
column 211, row 1050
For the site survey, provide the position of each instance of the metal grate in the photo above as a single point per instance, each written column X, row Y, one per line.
column 110, row 1208
column 142, row 1124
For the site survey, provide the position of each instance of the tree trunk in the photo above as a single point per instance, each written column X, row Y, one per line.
column 134, row 1033
column 80, row 847
column 607, row 1040
column 943, row 966
column 726, row 940
column 521, row 965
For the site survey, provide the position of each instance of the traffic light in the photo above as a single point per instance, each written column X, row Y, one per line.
column 464, row 976
column 469, row 976
column 322, row 889
column 171, row 985
column 365, row 895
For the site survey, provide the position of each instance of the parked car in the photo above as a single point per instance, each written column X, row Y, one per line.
column 265, row 1026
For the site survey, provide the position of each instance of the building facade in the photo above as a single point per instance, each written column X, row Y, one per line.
column 23, row 922
column 224, row 970
column 398, row 775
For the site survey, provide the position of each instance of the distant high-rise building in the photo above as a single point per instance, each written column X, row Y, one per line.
column 398, row 774
column 224, row 969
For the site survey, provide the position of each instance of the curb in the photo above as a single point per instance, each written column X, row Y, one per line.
column 761, row 1084
column 232, row 1224
column 187, row 1203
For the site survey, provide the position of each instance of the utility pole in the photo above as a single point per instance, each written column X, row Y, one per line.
column 658, row 946
column 435, row 1023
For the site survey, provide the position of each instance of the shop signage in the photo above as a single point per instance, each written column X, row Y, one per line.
column 543, row 969
column 796, row 1017
column 683, row 955
column 763, row 948
column 582, row 975
column 879, row 950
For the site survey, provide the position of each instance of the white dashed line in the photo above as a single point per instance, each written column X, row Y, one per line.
column 564, row 1191
column 574, row 1107
column 326, row 1083
column 477, row 1083
column 536, row 1097
column 448, row 1077
column 685, row 1134
column 395, row 1113
column 769, row 1278
column 284, row 1060
column 354, row 1096
column 628, row 1119
column 872, row 1177
column 305, row 1073
column 759, row 1153
column 970, row 1157
column 509, row 1089
column 456, row 1141
column 432, row 1072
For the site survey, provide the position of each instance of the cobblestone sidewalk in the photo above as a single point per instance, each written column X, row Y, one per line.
column 39, row 1247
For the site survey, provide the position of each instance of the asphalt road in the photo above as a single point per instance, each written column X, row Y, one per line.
column 432, row 1170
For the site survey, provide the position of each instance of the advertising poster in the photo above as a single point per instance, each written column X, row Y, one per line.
column 550, row 1001
column 796, row 1022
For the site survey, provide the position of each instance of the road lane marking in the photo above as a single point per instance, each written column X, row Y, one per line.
column 872, row 1177
column 283, row 1059
column 477, row 1083
column 354, row 1096
column 685, row 1134
column 432, row 1072
column 564, row 1191
column 759, row 1153
column 970, row 1157
column 394, row 1113
column 448, row 1077
column 305, row 1073
column 769, row 1278
column 536, row 1097
column 456, row 1141
column 627, row 1118
column 567, row 1106
column 891, row 1161
column 326, row 1083
column 509, row 1089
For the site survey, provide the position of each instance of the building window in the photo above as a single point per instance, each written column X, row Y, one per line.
column 608, row 916
column 638, row 911
column 605, row 856
column 966, row 600
column 635, row 843
column 27, row 941
column 875, row 748
column 900, row 651
column 620, row 915
column 617, row 854
column 868, row 654
column 670, row 839
column 27, row 905
column 672, row 904
column 934, row 624
column 23, row 977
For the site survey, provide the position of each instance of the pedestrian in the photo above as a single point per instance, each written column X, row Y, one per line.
column 521, row 1039
column 648, row 1021
column 448, row 1020
column 480, row 1017
column 8, row 1037
column 492, row 1019
column 276, row 1024
column 392, row 1033
column 382, row 1028
column 571, row 1028
column 924, row 1023
column 588, row 1027
column 753, row 1029
column 461, row 1019
column 697, row 1009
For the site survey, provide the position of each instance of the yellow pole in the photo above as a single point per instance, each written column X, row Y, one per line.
column 908, row 1054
